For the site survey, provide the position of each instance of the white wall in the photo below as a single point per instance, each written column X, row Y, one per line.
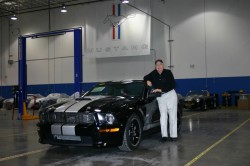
column 228, row 38
column 213, row 39
column 1, row 28
column 50, row 60
column 212, row 35
column 1, row 41
column 8, row 72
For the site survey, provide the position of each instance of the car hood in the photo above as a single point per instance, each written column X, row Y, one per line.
column 93, row 104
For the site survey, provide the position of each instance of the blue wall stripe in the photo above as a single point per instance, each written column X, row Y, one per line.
column 6, row 91
column 214, row 85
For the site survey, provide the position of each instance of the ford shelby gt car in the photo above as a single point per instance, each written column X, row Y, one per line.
column 1, row 101
column 200, row 99
column 110, row 114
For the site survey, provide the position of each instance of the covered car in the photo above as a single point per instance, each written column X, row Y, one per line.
column 68, row 98
column 200, row 99
column 9, row 103
column 33, row 101
column 110, row 114
column 48, row 100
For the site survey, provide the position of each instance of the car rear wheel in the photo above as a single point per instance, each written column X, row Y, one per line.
column 204, row 106
column 132, row 134
column 178, row 121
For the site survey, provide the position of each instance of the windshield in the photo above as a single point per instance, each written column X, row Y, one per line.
column 132, row 89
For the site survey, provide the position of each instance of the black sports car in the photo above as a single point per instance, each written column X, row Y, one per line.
column 1, row 101
column 110, row 114
column 200, row 99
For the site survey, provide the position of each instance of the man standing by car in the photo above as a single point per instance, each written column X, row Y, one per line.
column 162, row 81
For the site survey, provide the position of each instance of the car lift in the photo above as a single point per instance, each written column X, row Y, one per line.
column 22, row 66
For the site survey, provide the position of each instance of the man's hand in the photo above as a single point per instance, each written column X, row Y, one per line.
column 149, row 83
column 156, row 90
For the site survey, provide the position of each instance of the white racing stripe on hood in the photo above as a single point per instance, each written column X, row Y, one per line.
column 77, row 106
column 63, row 107
column 81, row 103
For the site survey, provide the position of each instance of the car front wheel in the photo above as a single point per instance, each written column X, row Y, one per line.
column 132, row 134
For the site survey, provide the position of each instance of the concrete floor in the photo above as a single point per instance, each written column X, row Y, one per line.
column 215, row 137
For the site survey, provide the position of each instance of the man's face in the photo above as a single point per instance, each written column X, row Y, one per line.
column 159, row 67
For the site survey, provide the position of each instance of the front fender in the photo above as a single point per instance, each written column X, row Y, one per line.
column 123, row 116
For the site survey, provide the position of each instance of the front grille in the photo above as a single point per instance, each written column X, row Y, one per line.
column 87, row 118
column 71, row 118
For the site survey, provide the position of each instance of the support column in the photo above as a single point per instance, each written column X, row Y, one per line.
column 22, row 75
column 78, row 60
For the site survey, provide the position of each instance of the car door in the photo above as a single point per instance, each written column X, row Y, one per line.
column 152, row 109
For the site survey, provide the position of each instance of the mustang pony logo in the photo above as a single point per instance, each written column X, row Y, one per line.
column 116, row 19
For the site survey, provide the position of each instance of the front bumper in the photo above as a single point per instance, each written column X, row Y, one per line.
column 79, row 135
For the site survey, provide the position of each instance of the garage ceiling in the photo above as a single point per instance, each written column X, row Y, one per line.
column 10, row 7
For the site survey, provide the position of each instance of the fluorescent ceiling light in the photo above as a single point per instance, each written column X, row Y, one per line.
column 13, row 17
column 63, row 9
column 125, row 1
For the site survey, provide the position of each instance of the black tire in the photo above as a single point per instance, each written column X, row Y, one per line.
column 132, row 135
column 204, row 106
column 178, row 122
column 179, row 116
column 214, row 104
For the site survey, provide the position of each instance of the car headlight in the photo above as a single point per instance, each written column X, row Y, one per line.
column 197, row 100
column 109, row 118
column 106, row 118
column 42, row 116
column 52, row 117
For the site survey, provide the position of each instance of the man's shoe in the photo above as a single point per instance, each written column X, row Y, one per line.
column 173, row 139
column 163, row 139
